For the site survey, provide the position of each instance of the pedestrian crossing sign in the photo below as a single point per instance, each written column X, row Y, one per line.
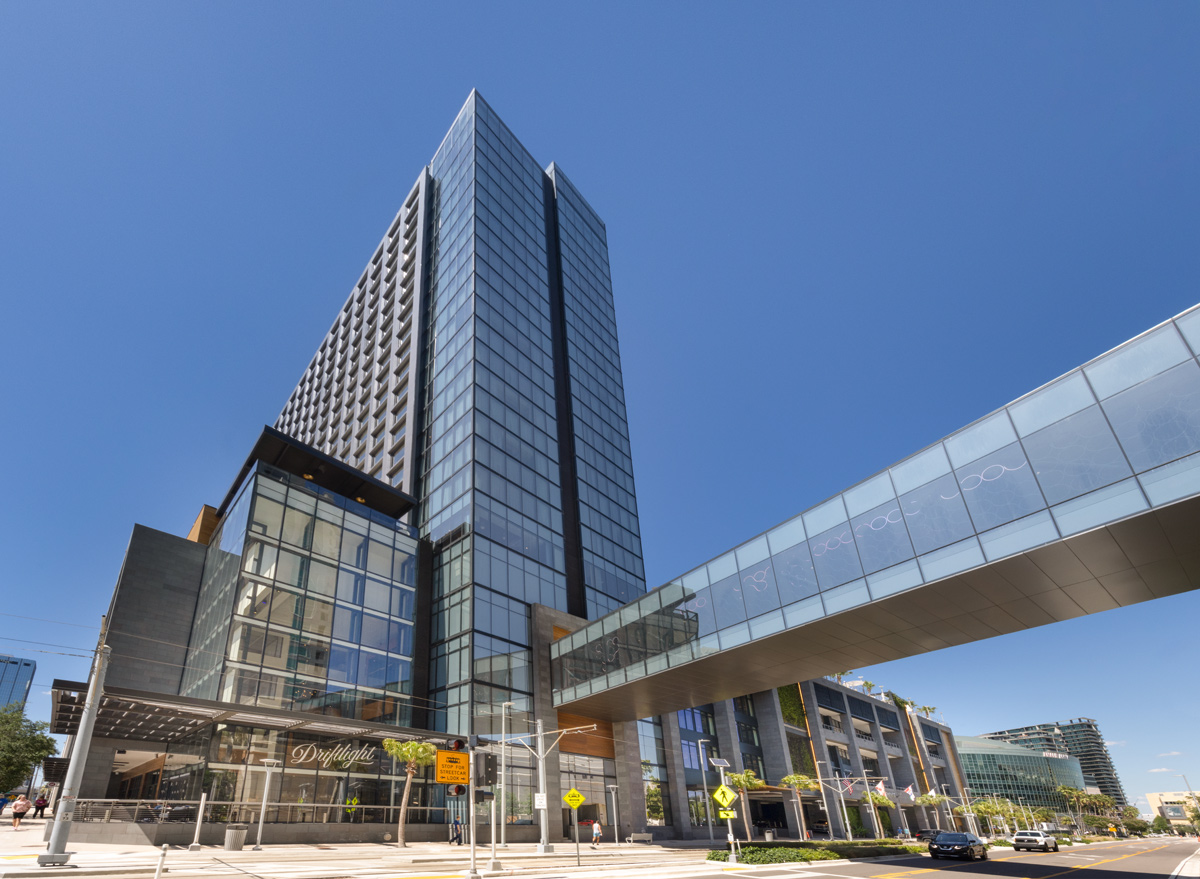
column 724, row 795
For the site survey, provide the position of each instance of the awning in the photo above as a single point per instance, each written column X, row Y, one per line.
column 155, row 717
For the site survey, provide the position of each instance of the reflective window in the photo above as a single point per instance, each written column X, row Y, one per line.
column 834, row 556
column 1159, row 420
column 936, row 514
column 794, row 573
column 1076, row 455
column 758, row 588
column 881, row 537
column 999, row 488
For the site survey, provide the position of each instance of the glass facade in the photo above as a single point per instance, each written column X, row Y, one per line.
column 525, row 448
column 16, row 677
column 1113, row 438
column 307, row 602
column 321, row 779
column 997, row 769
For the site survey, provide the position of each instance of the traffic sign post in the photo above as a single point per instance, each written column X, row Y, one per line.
column 575, row 799
column 725, row 795
column 452, row 767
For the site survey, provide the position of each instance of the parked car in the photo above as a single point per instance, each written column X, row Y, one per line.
column 1031, row 839
column 927, row 835
column 958, row 845
column 819, row 826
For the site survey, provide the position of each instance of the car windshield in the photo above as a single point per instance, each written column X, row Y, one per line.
column 952, row 837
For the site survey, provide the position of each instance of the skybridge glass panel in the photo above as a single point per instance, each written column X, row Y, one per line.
column 1109, row 440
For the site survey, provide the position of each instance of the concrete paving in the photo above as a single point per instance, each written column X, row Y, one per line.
column 19, row 850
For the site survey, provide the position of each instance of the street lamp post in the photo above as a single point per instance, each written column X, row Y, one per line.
column 949, row 814
column 1195, row 801
column 616, row 821
column 270, row 764
column 503, row 770
column 1028, row 824
column 824, row 800
column 704, row 781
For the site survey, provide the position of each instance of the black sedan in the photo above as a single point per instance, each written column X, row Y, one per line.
column 958, row 845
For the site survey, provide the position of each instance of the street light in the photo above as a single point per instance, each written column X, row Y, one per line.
column 949, row 814
column 503, row 769
column 1195, row 802
column 824, row 799
column 270, row 764
column 704, row 780
column 1028, row 824
column 616, row 822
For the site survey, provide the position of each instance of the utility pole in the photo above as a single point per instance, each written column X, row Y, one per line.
column 544, row 818
column 539, row 752
column 704, row 780
column 503, row 770
column 56, row 852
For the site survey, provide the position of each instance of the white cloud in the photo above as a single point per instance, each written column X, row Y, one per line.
column 1160, row 770
column 1171, row 754
column 1120, row 744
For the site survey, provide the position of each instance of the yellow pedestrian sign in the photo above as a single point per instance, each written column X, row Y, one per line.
column 727, row 814
column 724, row 795
column 574, row 798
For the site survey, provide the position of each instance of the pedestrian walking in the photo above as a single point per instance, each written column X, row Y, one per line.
column 597, row 832
column 20, row 806
column 456, row 831
column 39, row 806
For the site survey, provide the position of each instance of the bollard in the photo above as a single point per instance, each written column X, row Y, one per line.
column 158, row 871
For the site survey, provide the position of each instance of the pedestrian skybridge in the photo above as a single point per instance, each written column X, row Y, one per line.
column 1081, row 496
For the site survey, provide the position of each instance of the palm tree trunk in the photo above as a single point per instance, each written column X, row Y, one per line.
column 746, row 815
column 410, row 771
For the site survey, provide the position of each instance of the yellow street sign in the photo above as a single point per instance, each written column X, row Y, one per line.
column 724, row 795
column 573, row 798
column 452, row 767
column 726, row 814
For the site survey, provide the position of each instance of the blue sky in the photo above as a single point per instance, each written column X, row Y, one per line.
column 838, row 232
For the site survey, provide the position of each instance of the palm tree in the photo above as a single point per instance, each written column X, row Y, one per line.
column 1074, row 796
column 414, row 754
column 798, row 783
column 927, row 710
column 879, row 801
column 745, row 781
column 868, row 687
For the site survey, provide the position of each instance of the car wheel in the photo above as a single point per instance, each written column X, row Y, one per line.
column 970, row 854
column 1055, row 847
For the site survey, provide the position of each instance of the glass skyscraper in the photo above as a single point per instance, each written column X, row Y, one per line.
column 16, row 677
column 475, row 365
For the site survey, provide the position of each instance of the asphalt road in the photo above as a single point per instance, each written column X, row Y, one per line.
column 1151, row 858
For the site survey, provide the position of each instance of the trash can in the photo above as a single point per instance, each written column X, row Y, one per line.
column 768, row 835
column 235, row 837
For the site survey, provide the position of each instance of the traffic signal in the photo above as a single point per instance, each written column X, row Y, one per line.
column 456, row 790
column 456, row 745
column 485, row 769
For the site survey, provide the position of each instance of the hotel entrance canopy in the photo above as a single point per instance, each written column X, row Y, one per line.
column 136, row 715
column 1081, row 496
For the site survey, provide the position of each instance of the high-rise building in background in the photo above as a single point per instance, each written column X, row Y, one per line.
column 16, row 677
column 475, row 365
column 1080, row 738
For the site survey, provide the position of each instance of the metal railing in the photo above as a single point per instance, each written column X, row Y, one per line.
column 221, row 812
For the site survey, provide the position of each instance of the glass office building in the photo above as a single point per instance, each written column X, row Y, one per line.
column 16, row 677
column 307, row 602
column 476, row 364
column 1026, row 777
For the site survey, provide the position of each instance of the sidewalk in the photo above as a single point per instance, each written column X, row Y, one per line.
column 19, row 850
